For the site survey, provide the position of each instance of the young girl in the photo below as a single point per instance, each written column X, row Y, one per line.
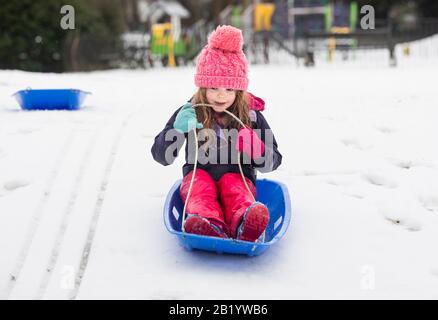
column 220, row 204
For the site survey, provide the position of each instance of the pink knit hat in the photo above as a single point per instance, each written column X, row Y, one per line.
column 222, row 63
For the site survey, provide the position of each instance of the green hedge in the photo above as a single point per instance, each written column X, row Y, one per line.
column 32, row 39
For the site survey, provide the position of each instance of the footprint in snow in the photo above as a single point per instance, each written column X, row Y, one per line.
column 12, row 185
column 401, row 210
column 352, row 143
column 405, row 164
column 408, row 164
column 25, row 131
column 409, row 224
column 355, row 195
column 342, row 181
column 380, row 179
column 386, row 130
column 429, row 201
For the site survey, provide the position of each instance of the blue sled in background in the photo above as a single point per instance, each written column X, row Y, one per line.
column 51, row 99
column 273, row 194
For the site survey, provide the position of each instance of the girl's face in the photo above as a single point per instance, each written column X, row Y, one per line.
column 221, row 98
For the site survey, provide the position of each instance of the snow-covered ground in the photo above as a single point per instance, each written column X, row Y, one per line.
column 81, row 197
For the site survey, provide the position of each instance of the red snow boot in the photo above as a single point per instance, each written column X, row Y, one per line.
column 204, row 213
column 254, row 222
column 202, row 226
column 247, row 219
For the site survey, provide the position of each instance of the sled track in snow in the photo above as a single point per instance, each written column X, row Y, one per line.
column 37, row 216
column 98, row 207
column 65, row 219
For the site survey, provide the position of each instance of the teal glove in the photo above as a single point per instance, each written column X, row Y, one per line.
column 186, row 119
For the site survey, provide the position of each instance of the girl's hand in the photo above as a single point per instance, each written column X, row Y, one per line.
column 186, row 119
column 249, row 143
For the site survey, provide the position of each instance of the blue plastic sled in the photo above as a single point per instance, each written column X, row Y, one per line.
column 273, row 194
column 50, row 99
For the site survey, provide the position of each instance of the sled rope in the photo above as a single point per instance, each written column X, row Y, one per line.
column 196, row 162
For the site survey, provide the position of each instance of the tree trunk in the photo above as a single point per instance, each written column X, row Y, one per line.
column 73, row 51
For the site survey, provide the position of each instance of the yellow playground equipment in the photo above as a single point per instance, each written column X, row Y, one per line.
column 262, row 16
column 164, row 44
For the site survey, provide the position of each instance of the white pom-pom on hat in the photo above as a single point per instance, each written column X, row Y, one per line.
column 226, row 38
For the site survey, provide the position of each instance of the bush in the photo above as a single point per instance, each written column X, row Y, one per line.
column 33, row 40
